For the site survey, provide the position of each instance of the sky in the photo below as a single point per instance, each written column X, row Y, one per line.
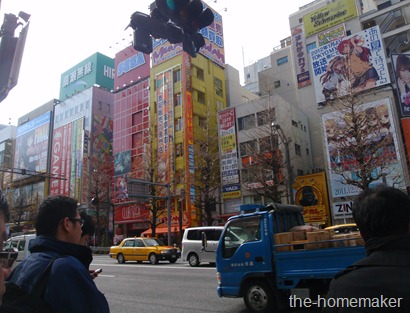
column 64, row 33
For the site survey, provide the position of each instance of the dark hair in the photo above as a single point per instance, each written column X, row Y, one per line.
column 50, row 213
column 88, row 227
column 382, row 211
column 4, row 207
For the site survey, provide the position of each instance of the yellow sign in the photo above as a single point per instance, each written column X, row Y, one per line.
column 311, row 193
column 335, row 13
column 231, row 194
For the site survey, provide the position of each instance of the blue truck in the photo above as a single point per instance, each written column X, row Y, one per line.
column 268, row 275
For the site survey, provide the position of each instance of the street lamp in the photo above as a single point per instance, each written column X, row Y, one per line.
column 286, row 142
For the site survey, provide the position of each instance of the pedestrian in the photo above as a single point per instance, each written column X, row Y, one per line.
column 70, row 287
column 88, row 228
column 380, row 282
column 6, row 259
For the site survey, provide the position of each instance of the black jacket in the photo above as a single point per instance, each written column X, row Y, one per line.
column 379, row 282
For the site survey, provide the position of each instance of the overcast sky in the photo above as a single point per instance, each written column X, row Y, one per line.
column 64, row 33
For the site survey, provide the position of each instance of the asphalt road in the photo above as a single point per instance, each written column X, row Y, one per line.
column 162, row 288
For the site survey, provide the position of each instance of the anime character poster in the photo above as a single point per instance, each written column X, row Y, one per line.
column 401, row 66
column 349, row 65
column 378, row 141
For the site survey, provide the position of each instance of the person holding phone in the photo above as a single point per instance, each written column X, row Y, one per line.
column 70, row 287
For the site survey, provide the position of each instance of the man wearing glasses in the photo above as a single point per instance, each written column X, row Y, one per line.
column 70, row 287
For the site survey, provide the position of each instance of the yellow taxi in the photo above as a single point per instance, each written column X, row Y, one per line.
column 343, row 228
column 144, row 249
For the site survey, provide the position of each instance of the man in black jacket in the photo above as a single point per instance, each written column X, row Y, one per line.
column 381, row 281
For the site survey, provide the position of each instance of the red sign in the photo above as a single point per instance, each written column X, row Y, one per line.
column 131, row 213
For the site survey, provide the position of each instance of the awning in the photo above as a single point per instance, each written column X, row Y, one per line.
column 161, row 230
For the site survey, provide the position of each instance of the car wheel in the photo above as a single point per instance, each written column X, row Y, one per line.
column 258, row 297
column 172, row 261
column 120, row 258
column 193, row 260
column 153, row 259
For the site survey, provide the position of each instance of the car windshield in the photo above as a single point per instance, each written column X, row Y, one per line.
column 153, row 242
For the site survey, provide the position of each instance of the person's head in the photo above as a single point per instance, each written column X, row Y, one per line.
column 88, row 228
column 4, row 218
column 382, row 211
column 58, row 217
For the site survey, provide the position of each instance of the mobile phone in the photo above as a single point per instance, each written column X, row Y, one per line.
column 98, row 271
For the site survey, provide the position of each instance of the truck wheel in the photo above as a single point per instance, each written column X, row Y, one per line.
column 193, row 260
column 258, row 297
column 120, row 258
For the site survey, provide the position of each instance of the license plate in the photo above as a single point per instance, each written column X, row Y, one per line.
column 173, row 256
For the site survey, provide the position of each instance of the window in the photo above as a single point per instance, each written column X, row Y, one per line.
column 218, row 87
column 136, row 140
column 263, row 118
column 297, row 149
column 201, row 97
column 179, row 124
column 137, row 118
column 246, row 122
column 202, row 122
column 247, row 148
column 310, row 46
column 276, row 84
column 177, row 75
column 300, row 172
column 267, row 144
column 179, row 151
column 200, row 73
column 307, row 151
column 177, row 99
column 282, row 61
column 129, row 243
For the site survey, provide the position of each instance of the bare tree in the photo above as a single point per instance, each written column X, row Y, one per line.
column 207, row 169
column 263, row 171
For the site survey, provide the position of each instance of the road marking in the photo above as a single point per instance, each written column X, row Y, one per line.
column 152, row 266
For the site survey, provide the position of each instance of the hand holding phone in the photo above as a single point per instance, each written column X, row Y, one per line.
column 98, row 271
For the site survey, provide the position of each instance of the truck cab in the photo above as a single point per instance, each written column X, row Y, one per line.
column 250, row 264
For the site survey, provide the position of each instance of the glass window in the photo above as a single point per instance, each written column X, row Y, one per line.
column 246, row 122
column 201, row 97
column 129, row 243
column 177, row 75
column 276, row 84
column 200, row 73
column 297, row 149
column 218, row 87
column 282, row 61
column 248, row 148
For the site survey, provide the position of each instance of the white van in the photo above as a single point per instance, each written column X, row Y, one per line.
column 19, row 244
column 192, row 244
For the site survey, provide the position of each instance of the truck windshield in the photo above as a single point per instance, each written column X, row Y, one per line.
column 239, row 231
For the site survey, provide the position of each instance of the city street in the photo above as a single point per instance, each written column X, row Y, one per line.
column 162, row 288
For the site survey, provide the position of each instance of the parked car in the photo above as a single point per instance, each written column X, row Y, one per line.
column 192, row 249
column 343, row 228
column 144, row 249
column 19, row 244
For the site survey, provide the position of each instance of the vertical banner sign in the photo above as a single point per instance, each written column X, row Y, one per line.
column 385, row 160
column 228, row 152
column 164, row 97
column 300, row 55
column 401, row 67
column 349, row 65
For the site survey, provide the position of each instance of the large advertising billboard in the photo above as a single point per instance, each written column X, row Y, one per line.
column 376, row 139
column 349, row 65
column 67, row 159
column 96, row 69
column 328, row 16
column 130, row 66
column 228, row 151
column 300, row 55
column 32, row 140
column 401, row 67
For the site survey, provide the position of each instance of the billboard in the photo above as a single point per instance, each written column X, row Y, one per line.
column 380, row 147
column 401, row 67
column 213, row 49
column 228, row 151
column 349, row 65
column 96, row 69
column 300, row 56
column 67, row 159
column 328, row 16
column 32, row 140
column 130, row 66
